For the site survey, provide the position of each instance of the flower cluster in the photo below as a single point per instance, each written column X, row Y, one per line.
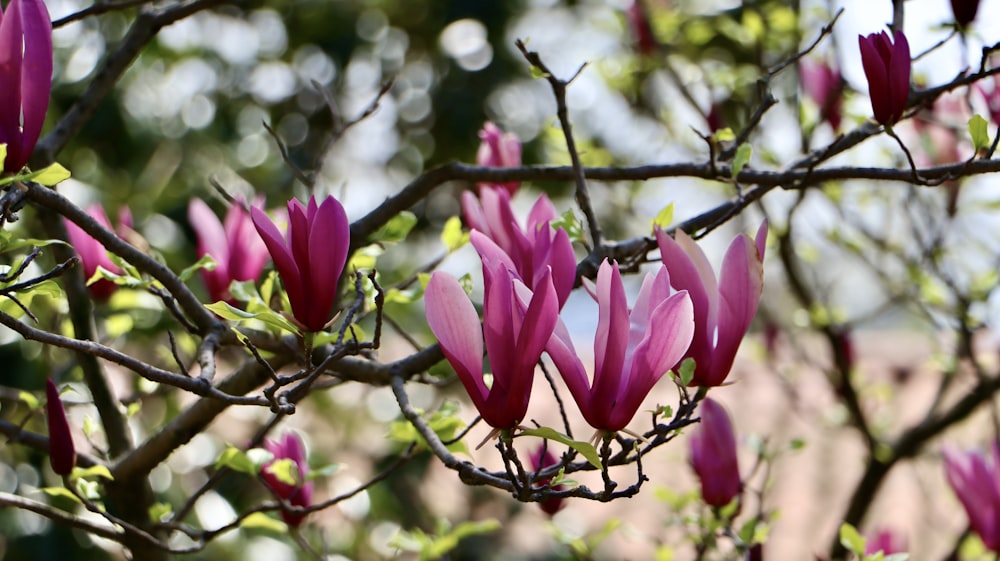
column 681, row 311
column 238, row 252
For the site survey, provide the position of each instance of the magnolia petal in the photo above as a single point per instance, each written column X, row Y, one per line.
column 899, row 74
column 247, row 252
column 329, row 238
column 542, row 212
column 453, row 320
column 297, row 235
column 210, row 233
column 62, row 452
column 741, row 283
column 490, row 252
column 11, row 52
column 539, row 321
column 686, row 275
column 667, row 337
column 284, row 262
column 36, row 72
column 501, row 321
column 878, row 78
column 473, row 212
column 560, row 349
column 562, row 259
column 713, row 455
column 498, row 214
column 213, row 241
column 611, row 340
column 532, row 336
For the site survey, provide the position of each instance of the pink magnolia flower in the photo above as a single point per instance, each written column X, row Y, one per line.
column 886, row 541
column 713, row 455
column 975, row 478
column 310, row 257
column 632, row 348
column 887, row 66
column 93, row 254
column 62, row 452
column 239, row 253
column 290, row 447
column 26, row 75
column 964, row 11
column 723, row 310
column 529, row 250
column 499, row 149
column 992, row 98
column 824, row 85
column 543, row 458
column 516, row 325
column 642, row 32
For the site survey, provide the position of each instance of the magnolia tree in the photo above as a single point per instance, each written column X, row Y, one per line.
column 386, row 350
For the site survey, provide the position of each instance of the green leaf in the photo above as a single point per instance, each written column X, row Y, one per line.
column 725, row 135
column 261, row 521
column 285, row 470
column 365, row 257
column 28, row 399
column 665, row 217
column 852, row 540
column 48, row 176
column 452, row 235
column 585, row 449
column 59, row 492
column 324, row 471
column 11, row 242
column 93, row 471
column 206, row 262
column 408, row 296
column 686, row 371
column 396, row 229
column 160, row 511
column 445, row 539
column 897, row 557
column 266, row 315
column 236, row 460
column 742, row 158
column 444, row 422
column 569, row 222
column 978, row 132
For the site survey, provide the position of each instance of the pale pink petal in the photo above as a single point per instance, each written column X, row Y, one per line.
column 611, row 340
column 473, row 212
column 453, row 320
column 542, row 212
column 211, row 235
column 741, row 283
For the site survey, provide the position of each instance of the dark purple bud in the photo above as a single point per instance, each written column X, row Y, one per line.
column 62, row 453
